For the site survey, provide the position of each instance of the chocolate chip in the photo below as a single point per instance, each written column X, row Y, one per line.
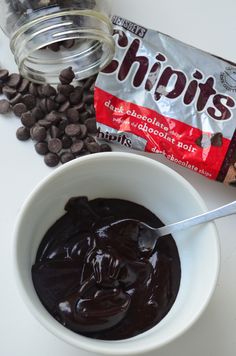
column 33, row 89
column 23, row 88
column 29, row 100
column 51, row 159
column 38, row 133
column 14, row 80
column 93, row 147
column 73, row 115
column 64, row 107
column 88, row 98
column 53, row 117
column 9, row 92
column 60, row 98
column 104, row 147
column 68, row 43
column 4, row 75
column 27, row 119
column 89, row 139
column 19, row 109
column 80, row 108
column 55, row 47
column 76, row 96
column 91, row 125
column 91, row 111
column 17, row 99
column 66, row 76
column 4, row 106
column 66, row 157
column 66, row 142
column 41, row 148
column 55, row 105
column 45, row 123
column 47, row 90
column 62, row 124
column 217, row 139
column 84, row 116
column 55, row 132
column 72, row 130
column 23, row 133
column 54, row 145
column 89, row 82
column 37, row 113
column 83, row 131
column 77, row 147
column 65, row 89
column 47, row 105
column 39, row 92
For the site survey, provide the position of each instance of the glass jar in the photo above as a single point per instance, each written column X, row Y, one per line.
column 46, row 36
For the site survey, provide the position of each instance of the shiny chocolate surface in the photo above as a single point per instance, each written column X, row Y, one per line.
column 93, row 277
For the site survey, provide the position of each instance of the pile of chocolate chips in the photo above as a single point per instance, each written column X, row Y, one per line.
column 61, row 121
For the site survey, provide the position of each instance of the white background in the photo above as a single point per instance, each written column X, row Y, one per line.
column 209, row 25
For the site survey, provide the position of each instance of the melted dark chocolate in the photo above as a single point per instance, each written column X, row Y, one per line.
column 93, row 277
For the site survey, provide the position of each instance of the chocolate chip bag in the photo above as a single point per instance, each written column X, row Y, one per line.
column 160, row 95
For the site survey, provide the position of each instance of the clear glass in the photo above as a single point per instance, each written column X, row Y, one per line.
column 47, row 36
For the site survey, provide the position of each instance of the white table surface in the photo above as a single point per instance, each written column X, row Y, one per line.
column 209, row 25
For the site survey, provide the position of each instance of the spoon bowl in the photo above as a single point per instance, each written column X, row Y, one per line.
column 148, row 235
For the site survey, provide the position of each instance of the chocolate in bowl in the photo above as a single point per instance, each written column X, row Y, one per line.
column 97, row 281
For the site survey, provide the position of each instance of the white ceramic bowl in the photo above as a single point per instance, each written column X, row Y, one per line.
column 141, row 180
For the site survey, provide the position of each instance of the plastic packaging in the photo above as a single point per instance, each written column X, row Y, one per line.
column 160, row 95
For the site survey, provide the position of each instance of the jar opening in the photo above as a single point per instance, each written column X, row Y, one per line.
column 91, row 45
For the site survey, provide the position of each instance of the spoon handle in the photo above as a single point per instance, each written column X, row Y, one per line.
column 225, row 210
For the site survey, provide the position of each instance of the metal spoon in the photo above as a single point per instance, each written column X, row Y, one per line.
column 150, row 235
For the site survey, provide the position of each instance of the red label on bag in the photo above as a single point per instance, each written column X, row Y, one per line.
column 179, row 142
